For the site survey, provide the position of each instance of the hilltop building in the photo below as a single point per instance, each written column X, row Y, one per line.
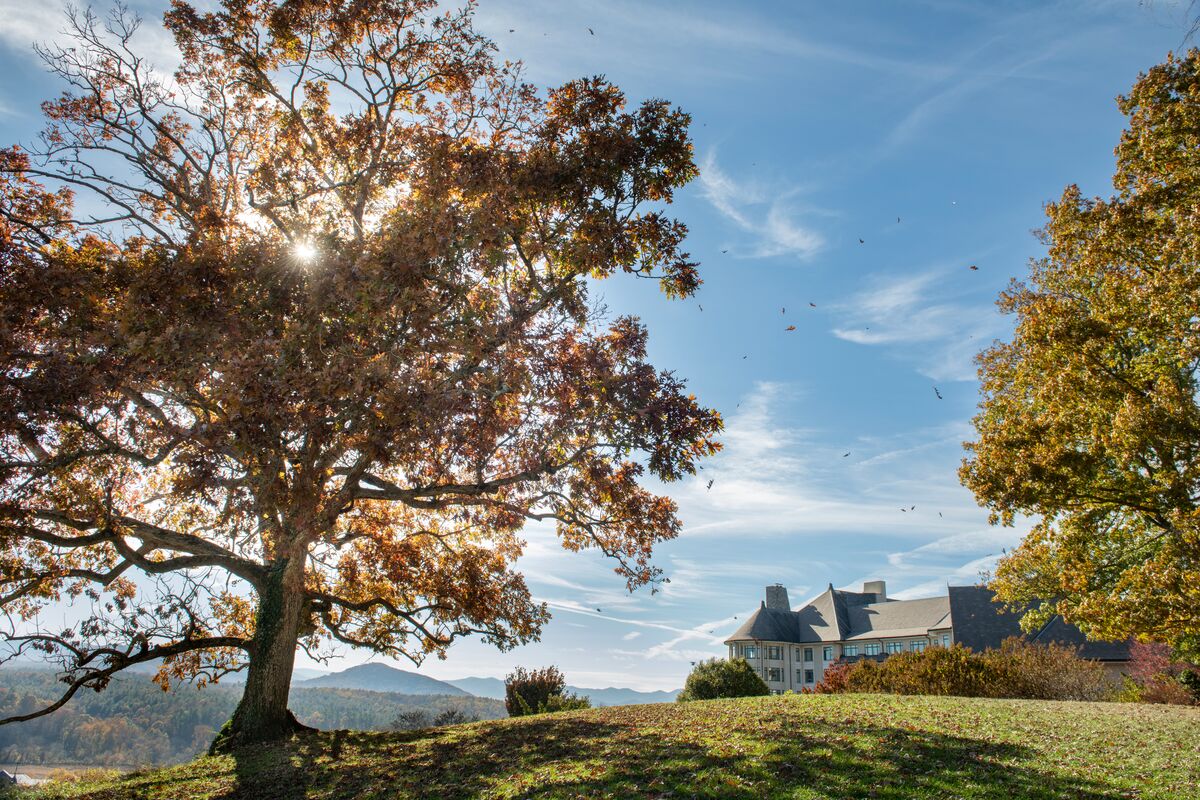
column 791, row 649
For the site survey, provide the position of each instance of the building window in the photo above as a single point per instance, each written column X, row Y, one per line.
column 808, row 654
column 799, row 676
column 750, row 651
column 775, row 674
column 850, row 650
column 827, row 654
column 775, row 653
column 945, row 640
column 797, row 653
column 808, row 676
column 895, row 647
column 873, row 649
column 918, row 645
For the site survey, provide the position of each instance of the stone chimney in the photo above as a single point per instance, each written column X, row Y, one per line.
column 877, row 588
column 777, row 597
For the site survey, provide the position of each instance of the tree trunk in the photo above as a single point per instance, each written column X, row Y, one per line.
column 262, row 714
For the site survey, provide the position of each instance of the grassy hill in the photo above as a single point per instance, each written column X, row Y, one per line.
column 841, row 746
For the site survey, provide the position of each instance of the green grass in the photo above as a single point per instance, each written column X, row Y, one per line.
column 817, row 746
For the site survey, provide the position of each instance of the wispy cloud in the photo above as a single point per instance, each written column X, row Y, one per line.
column 926, row 570
column 769, row 217
column 776, row 479
column 654, row 37
column 921, row 310
column 27, row 24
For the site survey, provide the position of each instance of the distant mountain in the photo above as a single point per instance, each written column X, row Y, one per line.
column 612, row 696
column 617, row 696
column 481, row 687
column 382, row 678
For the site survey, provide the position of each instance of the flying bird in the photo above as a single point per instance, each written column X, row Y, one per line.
column 904, row 510
column 744, row 358
column 846, row 454
column 783, row 311
column 939, row 394
column 860, row 241
column 812, row 305
column 710, row 483
column 897, row 220
column 724, row 251
column 973, row 268
column 512, row 30
column 598, row 611
column 700, row 306
column 790, row 328
column 914, row 508
column 939, row 513
column 592, row 32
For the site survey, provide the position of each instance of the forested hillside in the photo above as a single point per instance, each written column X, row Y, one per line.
column 134, row 723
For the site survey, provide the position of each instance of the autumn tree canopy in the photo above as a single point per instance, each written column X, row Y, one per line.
column 297, row 339
column 1090, row 417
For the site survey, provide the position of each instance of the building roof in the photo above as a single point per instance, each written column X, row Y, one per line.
column 824, row 619
column 769, row 624
column 896, row 617
column 1059, row 631
column 979, row 622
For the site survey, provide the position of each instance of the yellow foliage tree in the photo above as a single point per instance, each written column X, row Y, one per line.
column 1090, row 416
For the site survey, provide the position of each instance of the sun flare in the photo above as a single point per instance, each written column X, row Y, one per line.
column 304, row 251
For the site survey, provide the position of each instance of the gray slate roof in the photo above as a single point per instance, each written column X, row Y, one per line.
column 897, row 618
column 1059, row 631
column 979, row 623
column 769, row 624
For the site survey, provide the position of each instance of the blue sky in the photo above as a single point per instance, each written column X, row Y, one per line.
column 816, row 125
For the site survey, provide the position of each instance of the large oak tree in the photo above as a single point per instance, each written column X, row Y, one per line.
column 297, row 339
column 1090, row 418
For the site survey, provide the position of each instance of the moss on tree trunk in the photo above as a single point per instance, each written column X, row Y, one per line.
column 262, row 714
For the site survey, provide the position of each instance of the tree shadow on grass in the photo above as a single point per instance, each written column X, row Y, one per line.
column 592, row 757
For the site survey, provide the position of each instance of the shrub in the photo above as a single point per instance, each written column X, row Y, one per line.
column 717, row 677
column 1018, row 669
column 564, row 702
column 1158, row 678
column 1166, row 690
column 1047, row 672
column 453, row 716
column 938, row 670
column 836, row 679
column 539, row 691
column 411, row 720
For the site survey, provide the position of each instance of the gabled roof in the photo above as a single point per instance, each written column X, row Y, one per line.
column 979, row 623
column 822, row 620
column 768, row 624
